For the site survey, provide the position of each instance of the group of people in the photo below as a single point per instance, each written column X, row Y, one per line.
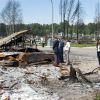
column 60, row 49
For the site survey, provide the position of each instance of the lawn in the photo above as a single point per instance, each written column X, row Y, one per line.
column 97, row 97
column 82, row 45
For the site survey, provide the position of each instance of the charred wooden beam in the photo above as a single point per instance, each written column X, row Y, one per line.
column 37, row 57
column 26, row 57
column 73, row 76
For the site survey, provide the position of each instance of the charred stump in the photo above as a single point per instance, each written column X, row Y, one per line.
column 73, row 76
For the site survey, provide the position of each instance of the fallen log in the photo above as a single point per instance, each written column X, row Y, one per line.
column 37, row 57
column 11, row 58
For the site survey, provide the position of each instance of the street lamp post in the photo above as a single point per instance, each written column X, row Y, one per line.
column 52, row 19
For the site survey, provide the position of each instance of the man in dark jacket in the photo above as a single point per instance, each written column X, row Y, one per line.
column 61, row 46
column 56, row 51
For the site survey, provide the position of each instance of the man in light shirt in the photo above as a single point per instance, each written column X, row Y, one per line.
column 67, row 51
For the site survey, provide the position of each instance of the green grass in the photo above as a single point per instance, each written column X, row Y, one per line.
column 97, row 97
column 82, row 45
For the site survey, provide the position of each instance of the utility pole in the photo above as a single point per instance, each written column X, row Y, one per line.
column 52, row 19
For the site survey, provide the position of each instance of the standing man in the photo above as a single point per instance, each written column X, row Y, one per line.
column 98, row 51
column 42, row 41
column 34, row 43
column 61, row 46
column 56, row 51
column 67, row 51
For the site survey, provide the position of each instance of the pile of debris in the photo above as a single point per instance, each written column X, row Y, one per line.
column 27, row 73
column 14, row 50
column 25, row 56
column 26, row 83
column 42, row 82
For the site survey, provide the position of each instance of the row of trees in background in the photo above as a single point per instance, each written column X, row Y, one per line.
column 71, row 13
column 45, row 29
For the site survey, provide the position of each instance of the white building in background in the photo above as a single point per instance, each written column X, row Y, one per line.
column 60, row 34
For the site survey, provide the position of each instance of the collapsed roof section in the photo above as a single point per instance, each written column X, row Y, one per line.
column 9, row 39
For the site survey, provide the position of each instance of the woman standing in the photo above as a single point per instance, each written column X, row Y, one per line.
column 98, row 51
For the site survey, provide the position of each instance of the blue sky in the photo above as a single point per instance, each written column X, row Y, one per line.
column 39, row 11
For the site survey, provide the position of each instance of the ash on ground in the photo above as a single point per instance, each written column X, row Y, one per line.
column 41, row 82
